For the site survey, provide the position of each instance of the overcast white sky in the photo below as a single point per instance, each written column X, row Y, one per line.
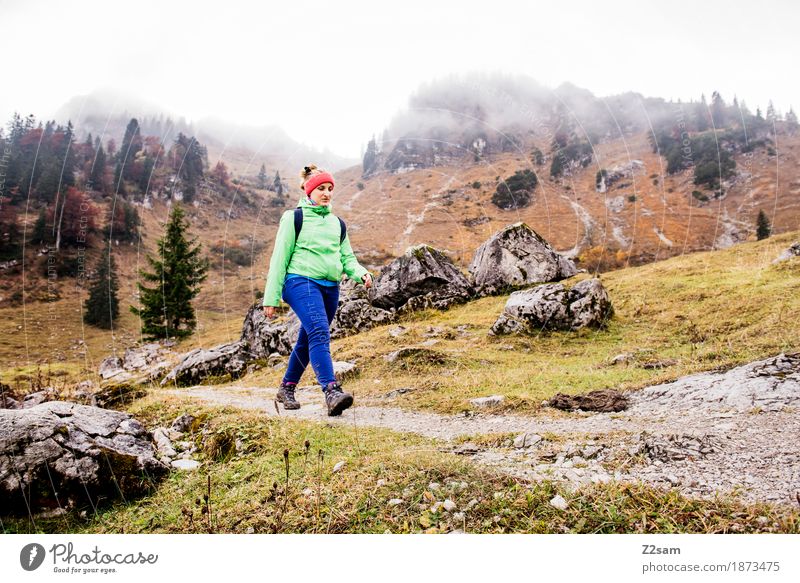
column 333, row 73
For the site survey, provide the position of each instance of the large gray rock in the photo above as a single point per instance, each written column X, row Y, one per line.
column 355, row 312
column 514, row 257
column 138, row 363
column 198, row 364
column 423, row 277
column 66, row 454
column 619, row 172
column 792, row 251
column 264, row 337
column 771, row 384
column 552, row 307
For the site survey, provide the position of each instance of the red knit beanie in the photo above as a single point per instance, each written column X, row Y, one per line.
column 316, row 180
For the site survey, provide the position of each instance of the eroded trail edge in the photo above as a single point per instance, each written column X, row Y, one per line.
column 732, row 432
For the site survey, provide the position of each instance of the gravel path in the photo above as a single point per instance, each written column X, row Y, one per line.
column 735, row 432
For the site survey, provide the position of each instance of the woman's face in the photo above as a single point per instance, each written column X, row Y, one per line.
column 322, row 194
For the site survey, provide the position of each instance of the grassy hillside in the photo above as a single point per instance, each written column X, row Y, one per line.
column 685, row 314
column 690, row 313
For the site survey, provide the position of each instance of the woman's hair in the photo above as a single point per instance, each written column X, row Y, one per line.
column 306, row 173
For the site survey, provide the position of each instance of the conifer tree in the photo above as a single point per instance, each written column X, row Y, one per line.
column 102, row 307
column 762, row 226
column 177, row 272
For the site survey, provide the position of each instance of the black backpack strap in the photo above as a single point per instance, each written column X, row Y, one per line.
column 298, row 222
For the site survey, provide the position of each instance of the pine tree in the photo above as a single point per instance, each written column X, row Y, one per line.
column 262, row 177
column 718, row 115
column 370, row 160
column 762, row 226
column 791, row 121
column 131, row 144
column 98, row 170
column 177, row 273
column 102, row 307
column 277, row 184
column 40, row 228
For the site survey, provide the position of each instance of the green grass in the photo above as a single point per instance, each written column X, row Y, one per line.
column 248, row 490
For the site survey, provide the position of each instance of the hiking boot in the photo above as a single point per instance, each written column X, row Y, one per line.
column 286, row 396
column 336, row 399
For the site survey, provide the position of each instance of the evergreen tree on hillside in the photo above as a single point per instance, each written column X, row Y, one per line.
column 262, row 177
column 102, row 307
column 791, row 121
column 762, row 226
column 277, row 184
column 98, row 169
column 188, row 160
column 700, row 116
column 370, row 158
column 718, row 115
column 131, row 144
column 177, row 273
column 39, row 235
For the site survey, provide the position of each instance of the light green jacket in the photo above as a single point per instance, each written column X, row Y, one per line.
column 317, row 252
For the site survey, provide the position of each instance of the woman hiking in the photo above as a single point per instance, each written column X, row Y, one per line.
column 305, row 273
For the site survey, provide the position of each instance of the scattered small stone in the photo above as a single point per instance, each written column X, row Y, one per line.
column 621, row 358
column 558, row 501
column 591, row 451
column 397, row 331
column 395, row 501
column 186, row 465
column 466, row 448
column 485, row 402
column 183, row 423
column 338, row 466
column 526, row 440
column 380, row 483
column 449, row 505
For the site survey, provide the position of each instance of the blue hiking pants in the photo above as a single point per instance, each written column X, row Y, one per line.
column 315, row 306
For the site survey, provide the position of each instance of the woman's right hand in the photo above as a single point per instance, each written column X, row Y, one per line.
column 269, row 312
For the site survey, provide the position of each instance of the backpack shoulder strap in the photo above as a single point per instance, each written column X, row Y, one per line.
column 298, row 222
column 298, row 225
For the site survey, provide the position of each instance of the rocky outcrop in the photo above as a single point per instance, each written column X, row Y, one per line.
column 627, row 170
column 139, row 364
column 263, row 337
column 225, row 359
column 355, row 312
column 552, row 307
column 59, row 454
column 771, row 384
column 423, row 277
column 792, row 251
column 514, row 257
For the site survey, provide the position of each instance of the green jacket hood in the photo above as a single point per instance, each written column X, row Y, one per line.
column 320, row 209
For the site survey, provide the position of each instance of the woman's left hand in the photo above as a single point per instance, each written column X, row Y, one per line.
column 367, row 279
